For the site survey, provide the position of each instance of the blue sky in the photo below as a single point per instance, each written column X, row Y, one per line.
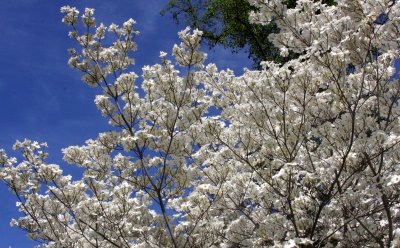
column 43, row 99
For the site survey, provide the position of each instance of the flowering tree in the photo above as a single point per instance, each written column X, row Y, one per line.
column 304, row 154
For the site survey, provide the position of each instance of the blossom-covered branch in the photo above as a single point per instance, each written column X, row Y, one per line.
column 304, row 154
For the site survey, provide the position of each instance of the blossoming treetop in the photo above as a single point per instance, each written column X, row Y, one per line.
column 304, row 154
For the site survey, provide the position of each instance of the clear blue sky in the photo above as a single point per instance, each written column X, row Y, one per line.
column 43, row 99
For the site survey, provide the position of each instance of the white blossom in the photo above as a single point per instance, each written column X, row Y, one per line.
column 295, row 155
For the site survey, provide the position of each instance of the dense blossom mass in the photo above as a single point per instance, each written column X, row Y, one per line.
column 304, row 154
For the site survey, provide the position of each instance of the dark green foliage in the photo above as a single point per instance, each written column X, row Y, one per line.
column 225, row 22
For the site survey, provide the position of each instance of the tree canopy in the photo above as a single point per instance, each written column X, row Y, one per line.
column 226, row 23
column 301, row 154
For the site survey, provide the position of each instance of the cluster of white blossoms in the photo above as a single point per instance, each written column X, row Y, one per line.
column 304, row 154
